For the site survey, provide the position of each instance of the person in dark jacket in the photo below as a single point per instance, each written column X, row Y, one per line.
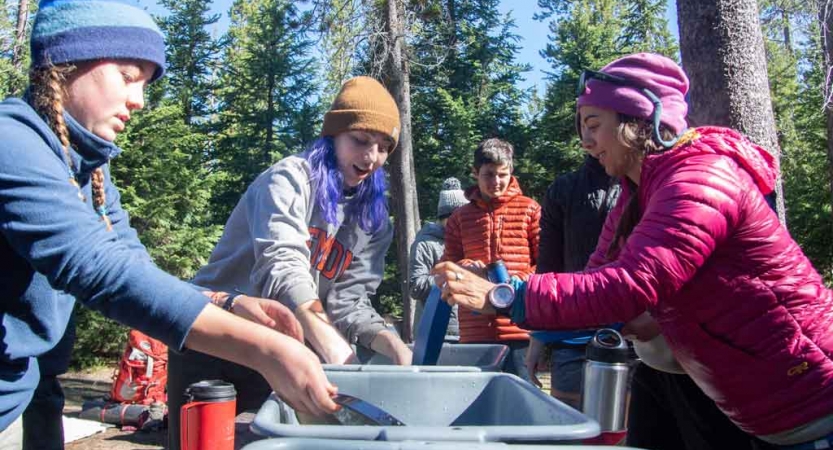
column 572, row 216
column 427, row 250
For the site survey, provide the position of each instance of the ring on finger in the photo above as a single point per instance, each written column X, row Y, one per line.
column 445, row 285
column 458, row 276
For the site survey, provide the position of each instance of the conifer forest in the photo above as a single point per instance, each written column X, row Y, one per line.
column 238, row 97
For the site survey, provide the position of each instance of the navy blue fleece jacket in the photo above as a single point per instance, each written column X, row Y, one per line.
column 54, row 250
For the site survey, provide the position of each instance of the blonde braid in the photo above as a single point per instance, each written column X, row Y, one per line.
column 99, row 198
column 47, row 86
column 48, row 100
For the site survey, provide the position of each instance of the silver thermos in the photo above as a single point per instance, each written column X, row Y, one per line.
column 604, row 395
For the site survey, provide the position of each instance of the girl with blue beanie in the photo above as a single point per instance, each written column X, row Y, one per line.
column 693, row 242
column 65, row 236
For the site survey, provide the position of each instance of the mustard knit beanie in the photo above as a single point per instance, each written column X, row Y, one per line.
column 363, row 104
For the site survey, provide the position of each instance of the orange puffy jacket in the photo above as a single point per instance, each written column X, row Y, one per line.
column 504, row 228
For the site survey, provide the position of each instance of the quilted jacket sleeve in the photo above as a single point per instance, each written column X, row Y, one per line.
column 422, row 260
column 453, row 238
column 551, row 233
column 534, row 236
column 599, row 256
column 688, row 212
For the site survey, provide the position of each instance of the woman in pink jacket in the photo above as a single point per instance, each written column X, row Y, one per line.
column 693, row 242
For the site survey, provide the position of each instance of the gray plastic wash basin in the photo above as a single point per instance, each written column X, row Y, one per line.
column 439, row 406
column 453, row 358
column 336, row 444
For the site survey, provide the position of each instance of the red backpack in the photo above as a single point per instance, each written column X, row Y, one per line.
column 142, row 373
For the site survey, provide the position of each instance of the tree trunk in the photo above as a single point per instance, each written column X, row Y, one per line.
column 826, row 22
column 403, row 181
column 20, row 34
column 723, row 54
column 452, row 25
column 788, row 40
column 270, row 122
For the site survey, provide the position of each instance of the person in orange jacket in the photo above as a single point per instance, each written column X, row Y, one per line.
column 498, row 223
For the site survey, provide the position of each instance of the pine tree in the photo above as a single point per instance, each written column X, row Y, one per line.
column 167, row 189
column 268, row 93
column 646, row 29
column 723, row 52
column 465, row 79
column 797, row 77
column 192, row 55
column 343, row 29
column 15, row 27
column 824, row 11
column 588, row 34
column 6, row 45
column 584, row 34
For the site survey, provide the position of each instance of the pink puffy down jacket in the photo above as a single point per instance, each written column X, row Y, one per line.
column 740, row 305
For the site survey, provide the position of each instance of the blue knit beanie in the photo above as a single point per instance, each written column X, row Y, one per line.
column 66, row 31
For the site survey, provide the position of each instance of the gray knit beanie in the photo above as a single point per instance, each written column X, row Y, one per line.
column 451, row 197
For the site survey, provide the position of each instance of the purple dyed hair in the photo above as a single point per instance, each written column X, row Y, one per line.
column 368, row 206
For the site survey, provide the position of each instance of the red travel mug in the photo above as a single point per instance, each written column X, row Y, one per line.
column 207, row 418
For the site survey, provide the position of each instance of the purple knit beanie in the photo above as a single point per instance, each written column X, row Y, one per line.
column 656, row 73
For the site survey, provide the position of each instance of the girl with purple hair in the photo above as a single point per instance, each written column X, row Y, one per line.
column 311, row 233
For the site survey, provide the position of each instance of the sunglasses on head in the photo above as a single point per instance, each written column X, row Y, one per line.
column 588, row 75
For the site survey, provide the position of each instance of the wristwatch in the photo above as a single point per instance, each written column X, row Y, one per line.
column 501, row 297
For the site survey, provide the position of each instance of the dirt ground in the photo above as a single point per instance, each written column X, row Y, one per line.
column 81, row 386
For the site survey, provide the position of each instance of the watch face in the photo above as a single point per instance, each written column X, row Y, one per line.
column 502, row 296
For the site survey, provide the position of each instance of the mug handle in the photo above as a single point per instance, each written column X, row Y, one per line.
column 189, row 426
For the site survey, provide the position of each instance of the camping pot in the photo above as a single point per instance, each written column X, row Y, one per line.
column 207, row 417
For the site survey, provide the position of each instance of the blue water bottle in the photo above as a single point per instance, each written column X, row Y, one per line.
column 497, row 272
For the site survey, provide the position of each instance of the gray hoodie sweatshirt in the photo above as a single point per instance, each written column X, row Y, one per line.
column 277, row 245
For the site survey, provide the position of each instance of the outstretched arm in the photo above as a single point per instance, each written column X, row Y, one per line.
column 322, row 335
column 686, row 217
column 656, row 261
column 348, row 302
column 62, row 238
column 291, row 369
